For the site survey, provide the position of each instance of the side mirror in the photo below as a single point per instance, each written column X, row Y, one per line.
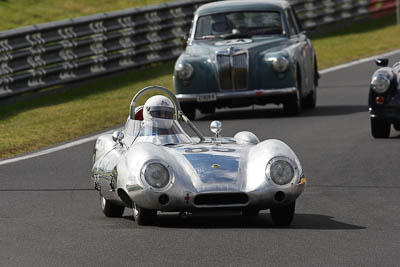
column 216, row 127
column 184, row 38
column 382, row 62
column 117, row 136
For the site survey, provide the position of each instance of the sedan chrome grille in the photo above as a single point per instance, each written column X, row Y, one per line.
column 224, row 71
column 232, row 67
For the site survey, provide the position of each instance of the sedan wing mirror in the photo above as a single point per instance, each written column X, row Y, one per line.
column 184, row 39
column 382, row 62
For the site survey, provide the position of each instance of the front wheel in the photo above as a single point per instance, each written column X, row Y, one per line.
column 109, row 209
column 380, row 128
column 310, row 101
column 283, row 216
column 144, row 216
column 292, row 106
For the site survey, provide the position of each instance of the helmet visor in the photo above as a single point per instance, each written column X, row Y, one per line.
column 162, row 114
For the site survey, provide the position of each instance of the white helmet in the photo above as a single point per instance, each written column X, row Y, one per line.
column 159, row 107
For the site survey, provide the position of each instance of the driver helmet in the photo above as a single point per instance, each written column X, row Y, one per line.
column 159, row 109
column 238, row 19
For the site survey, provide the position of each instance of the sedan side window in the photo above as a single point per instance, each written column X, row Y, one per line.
column 296, row 20
column 293, row 29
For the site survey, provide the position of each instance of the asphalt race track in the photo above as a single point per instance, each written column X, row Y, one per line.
column 349, row 214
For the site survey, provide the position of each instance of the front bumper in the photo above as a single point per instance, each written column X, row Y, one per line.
column 184, row 200
column 259, row 93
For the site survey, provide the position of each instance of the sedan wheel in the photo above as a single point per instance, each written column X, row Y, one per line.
column 292, row 106
column 283, row 216
column 189, row 110
column 380, row 128
column 310, row 101
column 109, row 209
column 144, row 216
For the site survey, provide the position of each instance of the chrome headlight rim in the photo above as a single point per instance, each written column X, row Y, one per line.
column 184, row 71
column 293, row 166
column 166, row 166
column 380, row 84
column 279, row 63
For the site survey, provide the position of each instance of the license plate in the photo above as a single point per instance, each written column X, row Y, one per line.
column 207, row 97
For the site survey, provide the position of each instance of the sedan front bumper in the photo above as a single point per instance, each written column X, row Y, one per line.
column 259, row 93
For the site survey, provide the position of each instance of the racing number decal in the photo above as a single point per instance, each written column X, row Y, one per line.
column 204, row 149
column 196, row 150
column 224, row 150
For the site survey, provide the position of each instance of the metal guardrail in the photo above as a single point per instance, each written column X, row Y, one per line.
column 51, row 54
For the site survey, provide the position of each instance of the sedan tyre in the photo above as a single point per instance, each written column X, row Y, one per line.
column 109, row 209
column 380, row 128
column 144, row 216
column 189, row 110
column 283, row 216
column 292, row 106
column 310, row 101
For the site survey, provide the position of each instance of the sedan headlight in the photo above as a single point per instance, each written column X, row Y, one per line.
column 380, row 83
column 279, row 64
column 280, row 171
column 184, row 71
column 156, row 175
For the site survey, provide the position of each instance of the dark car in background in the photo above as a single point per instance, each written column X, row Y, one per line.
column 241, row 53
column 384, row 99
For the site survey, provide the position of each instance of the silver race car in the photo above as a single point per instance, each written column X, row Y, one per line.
column 154, row 165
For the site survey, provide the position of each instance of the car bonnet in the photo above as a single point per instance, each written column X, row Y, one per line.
column 216, row 167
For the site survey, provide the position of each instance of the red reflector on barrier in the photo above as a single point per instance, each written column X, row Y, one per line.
column 258, row 93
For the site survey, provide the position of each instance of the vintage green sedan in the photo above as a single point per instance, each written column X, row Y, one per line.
column 242, row 53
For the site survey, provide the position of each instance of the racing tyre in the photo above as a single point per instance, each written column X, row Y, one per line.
column 144, row 216
column 109, row 209
column 380, row 128
column 250, row 212
column 283, row 216
column 189, row 110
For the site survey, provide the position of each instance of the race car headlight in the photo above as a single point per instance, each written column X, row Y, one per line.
column 380, row 84
column 279, row 64
column 280, row 171
column 184, row 71
column 156, row 175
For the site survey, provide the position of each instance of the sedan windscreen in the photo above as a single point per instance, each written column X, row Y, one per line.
column 239, row 23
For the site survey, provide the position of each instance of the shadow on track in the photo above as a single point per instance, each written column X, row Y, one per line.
column 262, row 221
column 232, row 114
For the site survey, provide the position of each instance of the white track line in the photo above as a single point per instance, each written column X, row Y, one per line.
column 91, row 138
column 360, row 61
column 53, row 149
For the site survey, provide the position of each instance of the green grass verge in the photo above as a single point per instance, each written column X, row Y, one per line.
column 36, row 123
column 18, row 13
column 359, row 41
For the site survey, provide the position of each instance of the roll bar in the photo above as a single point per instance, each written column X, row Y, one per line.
column 179, row 115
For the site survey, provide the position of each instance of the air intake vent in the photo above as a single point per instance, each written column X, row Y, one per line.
column 221, row 199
